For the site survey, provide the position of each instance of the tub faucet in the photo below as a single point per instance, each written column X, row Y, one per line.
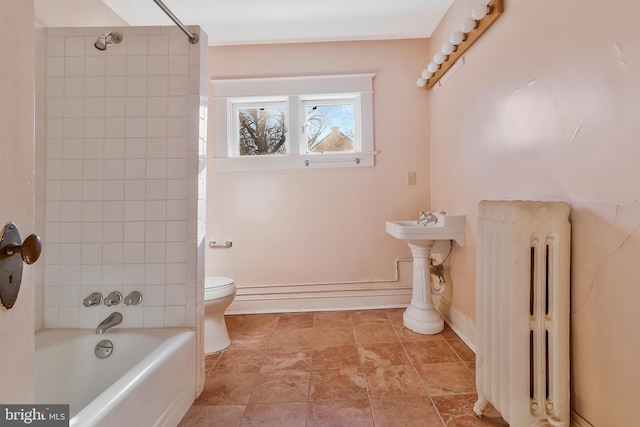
column 112, row 320
column 427, row 217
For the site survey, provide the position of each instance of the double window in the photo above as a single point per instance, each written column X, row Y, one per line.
column 291, row 123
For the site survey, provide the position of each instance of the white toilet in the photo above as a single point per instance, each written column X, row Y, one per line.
column 218, row 295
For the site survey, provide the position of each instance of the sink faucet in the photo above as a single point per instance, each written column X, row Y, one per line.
column 427, row 217
column 112, row 320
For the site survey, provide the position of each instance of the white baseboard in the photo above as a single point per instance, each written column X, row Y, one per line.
column 461, row 324
column 578, row 421
column 319, row 297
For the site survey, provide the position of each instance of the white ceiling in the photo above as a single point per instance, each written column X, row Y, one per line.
column 229, row 22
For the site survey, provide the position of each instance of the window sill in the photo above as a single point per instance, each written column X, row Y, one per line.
column 309, row 161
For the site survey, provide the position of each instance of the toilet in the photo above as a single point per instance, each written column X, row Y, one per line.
column 218, row 295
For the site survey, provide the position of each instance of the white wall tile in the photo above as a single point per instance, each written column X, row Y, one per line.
column 74, row 66
column 137, row 65
column 177, row 189
column 156, row 210
column 157, row 106
column 55, row 45
column 92, row 231
column 115, row 86
column 154, row 296
column 156, row 169
column 113, row 232
column 133, row 253
column 113, row 211
column 113, row 189
column 93, row 169
column 55, row 66
column 177, row 273
column 158, row 45
column 158, row 85
column 70, row 253
column 154, row 252
column 156, row 189
column 155, row 231
column 136, row 106
column 71, row 190
column 114, row 147
column 135, row 148
column 74, row 46
column 135, row 190
column 95, row 65
column 112, row 274
column 153, row 317
column 94, row 87
column 116, row 66
column 154, row 274
column 135, row 169
column 174, row 316
column 134, row 210
column 73, row 86
column 136, row 86
column 91, row 273
column 133, row 274
column 113, row 253
column 133, row 232
column 136, row 45
column 92, row 190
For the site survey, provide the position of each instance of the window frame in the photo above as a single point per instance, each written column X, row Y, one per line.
column 296, row 91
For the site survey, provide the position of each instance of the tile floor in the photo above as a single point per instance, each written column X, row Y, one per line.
column 347, row 368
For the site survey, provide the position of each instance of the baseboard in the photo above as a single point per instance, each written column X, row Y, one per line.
column 299, row 298
column 460, row 323
column 578, row 421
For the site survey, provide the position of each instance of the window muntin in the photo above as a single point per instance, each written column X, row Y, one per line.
column 259, row 128
column 330, row 125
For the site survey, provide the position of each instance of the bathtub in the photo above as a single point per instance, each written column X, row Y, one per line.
column 149, row 379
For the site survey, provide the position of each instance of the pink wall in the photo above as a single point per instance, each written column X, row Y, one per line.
column 547, row 106
column 17, row 189
column 305, row 226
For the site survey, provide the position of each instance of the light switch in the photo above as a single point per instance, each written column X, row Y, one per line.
column 411, row 178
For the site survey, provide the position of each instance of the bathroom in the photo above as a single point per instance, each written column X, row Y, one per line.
column 469, row 140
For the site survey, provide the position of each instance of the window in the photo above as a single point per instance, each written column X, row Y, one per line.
column 294, row 123
column 260, row 128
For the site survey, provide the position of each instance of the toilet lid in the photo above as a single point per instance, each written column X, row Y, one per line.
column 215, row 281
column 218, row 287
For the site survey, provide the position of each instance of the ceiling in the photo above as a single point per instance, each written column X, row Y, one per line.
column 229, row 22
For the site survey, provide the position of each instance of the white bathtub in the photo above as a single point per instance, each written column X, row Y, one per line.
column 148, row 380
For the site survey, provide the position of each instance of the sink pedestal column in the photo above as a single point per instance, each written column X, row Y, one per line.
column 420, row 316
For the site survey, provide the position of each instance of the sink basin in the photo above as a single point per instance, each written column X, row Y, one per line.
column 448, row 227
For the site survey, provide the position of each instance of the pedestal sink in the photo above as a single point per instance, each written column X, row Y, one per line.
column 421, row 316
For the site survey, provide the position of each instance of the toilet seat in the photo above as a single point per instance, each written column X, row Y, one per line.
column 218, row 287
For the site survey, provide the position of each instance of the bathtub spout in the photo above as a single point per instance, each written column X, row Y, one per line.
column 112, row 320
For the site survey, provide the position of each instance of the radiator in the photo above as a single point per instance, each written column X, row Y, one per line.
column 522, row 311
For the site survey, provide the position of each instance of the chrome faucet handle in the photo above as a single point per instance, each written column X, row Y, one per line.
column 427, row 217
column 95, row 298
column 114, row 298
column 134, row 298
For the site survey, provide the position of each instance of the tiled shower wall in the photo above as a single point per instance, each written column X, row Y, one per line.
column 124, row 175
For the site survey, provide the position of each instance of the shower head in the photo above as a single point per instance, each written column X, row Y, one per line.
column 105, row 40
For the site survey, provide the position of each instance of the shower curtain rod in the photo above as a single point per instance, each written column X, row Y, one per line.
column 193, row 37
